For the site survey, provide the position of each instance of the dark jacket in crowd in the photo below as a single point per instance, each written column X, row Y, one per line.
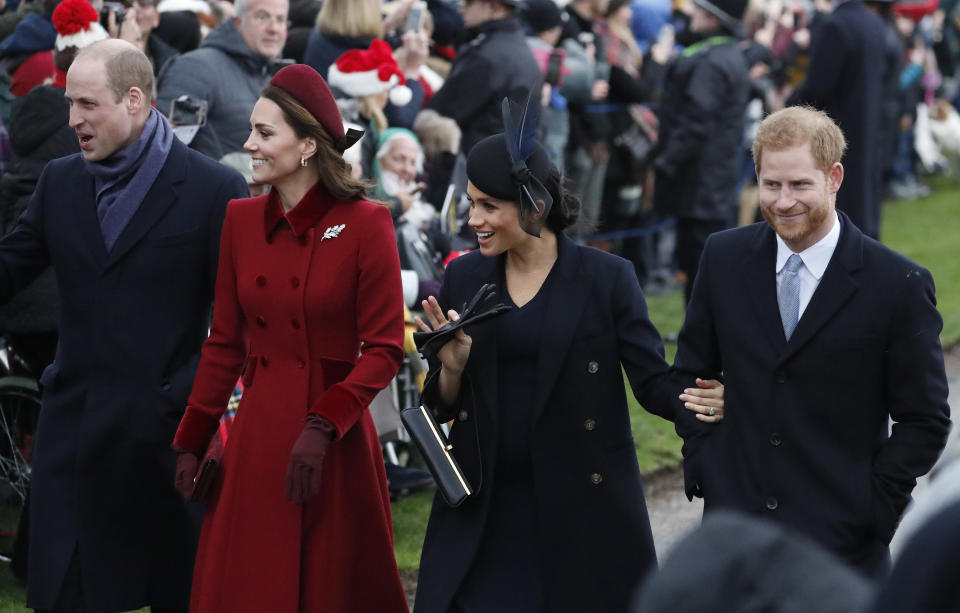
column 324, row 49
column 702, row 109
column 229, row 75
column 495, row 63
column 38, row 134
column 845, row 79
column 303, row 16
column 159, row 52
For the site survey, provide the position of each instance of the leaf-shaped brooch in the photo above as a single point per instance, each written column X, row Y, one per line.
column 332, row 232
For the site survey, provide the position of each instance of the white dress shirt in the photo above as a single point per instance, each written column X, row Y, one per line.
column 815, row 259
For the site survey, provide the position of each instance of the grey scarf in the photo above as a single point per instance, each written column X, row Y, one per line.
column 123, row 179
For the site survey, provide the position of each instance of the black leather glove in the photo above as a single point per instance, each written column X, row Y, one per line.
column 306, row 459
column 478, row 309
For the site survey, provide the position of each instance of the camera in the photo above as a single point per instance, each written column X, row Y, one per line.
column 117, row 8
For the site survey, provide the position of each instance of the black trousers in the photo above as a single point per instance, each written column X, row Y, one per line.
column 70, row 599
column 691, row 236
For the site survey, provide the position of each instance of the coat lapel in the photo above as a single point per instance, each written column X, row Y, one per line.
column 84, row 208
column 836, row 287
column 760, row 284
column 158, row 200
column 483, row 353
column 567, row 297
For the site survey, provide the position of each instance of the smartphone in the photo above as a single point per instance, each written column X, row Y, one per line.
column 415, row 17
column 187, row 111
column 602, row 69
column 554, row 66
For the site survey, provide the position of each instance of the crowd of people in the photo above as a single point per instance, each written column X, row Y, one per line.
column 363, row 148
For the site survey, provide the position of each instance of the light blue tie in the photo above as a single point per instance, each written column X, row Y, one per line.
column 789, row 295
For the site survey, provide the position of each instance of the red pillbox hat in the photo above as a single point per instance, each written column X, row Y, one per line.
column 310, row 90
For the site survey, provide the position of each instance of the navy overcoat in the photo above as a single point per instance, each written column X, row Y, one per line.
column 805, row 440
column 594, row 537
column 131, row 325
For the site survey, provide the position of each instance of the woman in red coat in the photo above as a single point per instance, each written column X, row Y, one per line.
column 308, row 306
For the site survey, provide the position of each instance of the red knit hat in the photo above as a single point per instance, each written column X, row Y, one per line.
column 77, row 24
column 309, row 89
column 365, row 72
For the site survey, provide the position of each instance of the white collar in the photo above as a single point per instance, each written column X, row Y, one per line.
column 815, row 257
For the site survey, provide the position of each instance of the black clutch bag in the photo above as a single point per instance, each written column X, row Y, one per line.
column 433, row 445
column 209, row 467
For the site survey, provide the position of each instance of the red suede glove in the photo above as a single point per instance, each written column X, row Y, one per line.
column 306, row 459
column 186, row 471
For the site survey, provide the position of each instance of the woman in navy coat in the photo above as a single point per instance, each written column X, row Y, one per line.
column 541, row 425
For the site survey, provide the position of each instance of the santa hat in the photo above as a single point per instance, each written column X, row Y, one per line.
column 77, row 24
column 366, row 72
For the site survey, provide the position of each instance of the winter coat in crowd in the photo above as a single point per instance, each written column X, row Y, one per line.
column 229, row 75
column 845, row 79
column 159, row 52
column 38, row 133
column 495, row 63
column 323, row 49
column 702, row 110
column 25, row 54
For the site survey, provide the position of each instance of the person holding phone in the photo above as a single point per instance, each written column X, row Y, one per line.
column 309, row 308
column 540, row 421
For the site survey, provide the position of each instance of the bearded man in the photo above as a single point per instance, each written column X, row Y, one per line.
column 822, row 335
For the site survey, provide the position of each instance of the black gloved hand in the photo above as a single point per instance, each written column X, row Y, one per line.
column 306, row 459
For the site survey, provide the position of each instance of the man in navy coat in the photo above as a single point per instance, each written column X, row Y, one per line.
column 822, row 335
column 131, row 226
column 845, row 78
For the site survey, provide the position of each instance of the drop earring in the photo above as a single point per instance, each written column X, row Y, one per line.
column 303, row 161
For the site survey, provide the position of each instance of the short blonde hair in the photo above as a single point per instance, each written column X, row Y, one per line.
column 354, row 18
column 797, row 125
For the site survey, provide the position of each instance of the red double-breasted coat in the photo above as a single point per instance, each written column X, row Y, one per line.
column 309, row 306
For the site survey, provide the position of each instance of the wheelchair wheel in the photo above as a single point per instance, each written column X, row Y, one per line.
column 19, row 410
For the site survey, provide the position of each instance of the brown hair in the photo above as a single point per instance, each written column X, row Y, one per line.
column 334, row 170
column 129, row 68
column 798, row 125
column 354, row 18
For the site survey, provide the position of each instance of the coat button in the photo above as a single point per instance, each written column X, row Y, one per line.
column 592, row 367
column 590, row 424
column 264, row 361
column 780, row 377
column 463, row 416
column 772, row 503
column 261, row 321
column 596, row 478
column 775, row 439
column 301, row 364
column 261, row 280
column 295, row 324
column 294, row 282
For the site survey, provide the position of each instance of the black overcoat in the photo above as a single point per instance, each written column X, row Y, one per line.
column 594, row 534
column 131, row 325
column 805, row 439
column 495, row 63
column 700, row 144
column 845, row 79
